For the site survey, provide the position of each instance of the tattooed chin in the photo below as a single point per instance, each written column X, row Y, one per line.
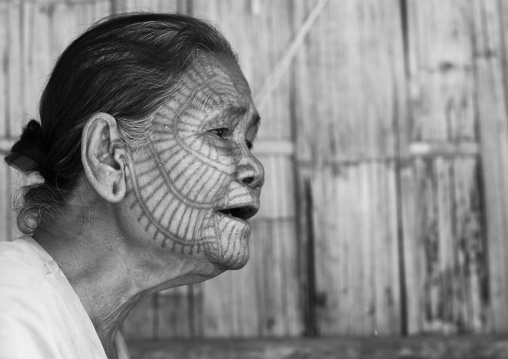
column 231, row 250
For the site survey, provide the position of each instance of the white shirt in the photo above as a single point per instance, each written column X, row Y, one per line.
column 40, row 314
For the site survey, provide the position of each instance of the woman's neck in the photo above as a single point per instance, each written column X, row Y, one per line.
column 92, row 256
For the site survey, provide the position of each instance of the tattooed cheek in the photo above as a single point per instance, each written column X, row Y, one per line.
column 228, row 156
column 228, row 161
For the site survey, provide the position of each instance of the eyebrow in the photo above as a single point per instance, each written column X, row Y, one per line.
column 242, row 110
column 236, row 111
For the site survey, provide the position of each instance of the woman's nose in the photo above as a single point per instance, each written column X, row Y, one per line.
column 250, row 172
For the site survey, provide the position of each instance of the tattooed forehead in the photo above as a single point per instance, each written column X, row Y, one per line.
column 212, row 84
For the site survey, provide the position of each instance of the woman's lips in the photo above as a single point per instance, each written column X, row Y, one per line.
column 243, row 212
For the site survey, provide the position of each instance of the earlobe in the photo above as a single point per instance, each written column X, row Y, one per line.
column 103, row 156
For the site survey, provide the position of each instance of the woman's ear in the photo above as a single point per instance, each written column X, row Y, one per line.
column 103, row 155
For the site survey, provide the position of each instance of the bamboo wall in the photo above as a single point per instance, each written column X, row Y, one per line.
column 385, row 145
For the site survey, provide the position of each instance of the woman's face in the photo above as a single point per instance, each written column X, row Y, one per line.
column 196, row 183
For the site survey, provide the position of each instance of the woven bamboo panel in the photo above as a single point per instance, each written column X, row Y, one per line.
column 445, row 254
column 356, row 249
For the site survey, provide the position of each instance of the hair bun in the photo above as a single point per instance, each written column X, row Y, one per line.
column 27, row 153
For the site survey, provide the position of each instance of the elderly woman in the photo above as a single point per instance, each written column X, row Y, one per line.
column 147, row 183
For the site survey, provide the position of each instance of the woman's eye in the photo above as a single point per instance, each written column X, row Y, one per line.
column 221, row 132
column 249, row 144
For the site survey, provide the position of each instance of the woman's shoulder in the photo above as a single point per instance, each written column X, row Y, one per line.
column 28, row 318
column 23, row 265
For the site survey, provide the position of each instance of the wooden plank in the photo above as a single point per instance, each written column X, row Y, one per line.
column 273, row 315
column 356, row 250
column 330, row 307
column 290, row 265
column 440, row 69
column 442, row 135
column 445, row 254
column 490, row 96
column 360, row 269
column 278, row 35
column 471, row 245
column 348, row 54
column 384, row 251
column 300, row 98
column 382, row 68
column 307, row 112
column 345, row 142
column 414, row 261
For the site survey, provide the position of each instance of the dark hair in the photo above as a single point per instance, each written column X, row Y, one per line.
column 126, row 66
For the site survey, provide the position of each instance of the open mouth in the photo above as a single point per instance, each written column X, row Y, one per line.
column 242, row 212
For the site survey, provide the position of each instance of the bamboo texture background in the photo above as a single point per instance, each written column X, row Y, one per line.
column 385, row 146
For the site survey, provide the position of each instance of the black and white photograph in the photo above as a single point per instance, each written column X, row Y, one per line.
column 254, row 179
